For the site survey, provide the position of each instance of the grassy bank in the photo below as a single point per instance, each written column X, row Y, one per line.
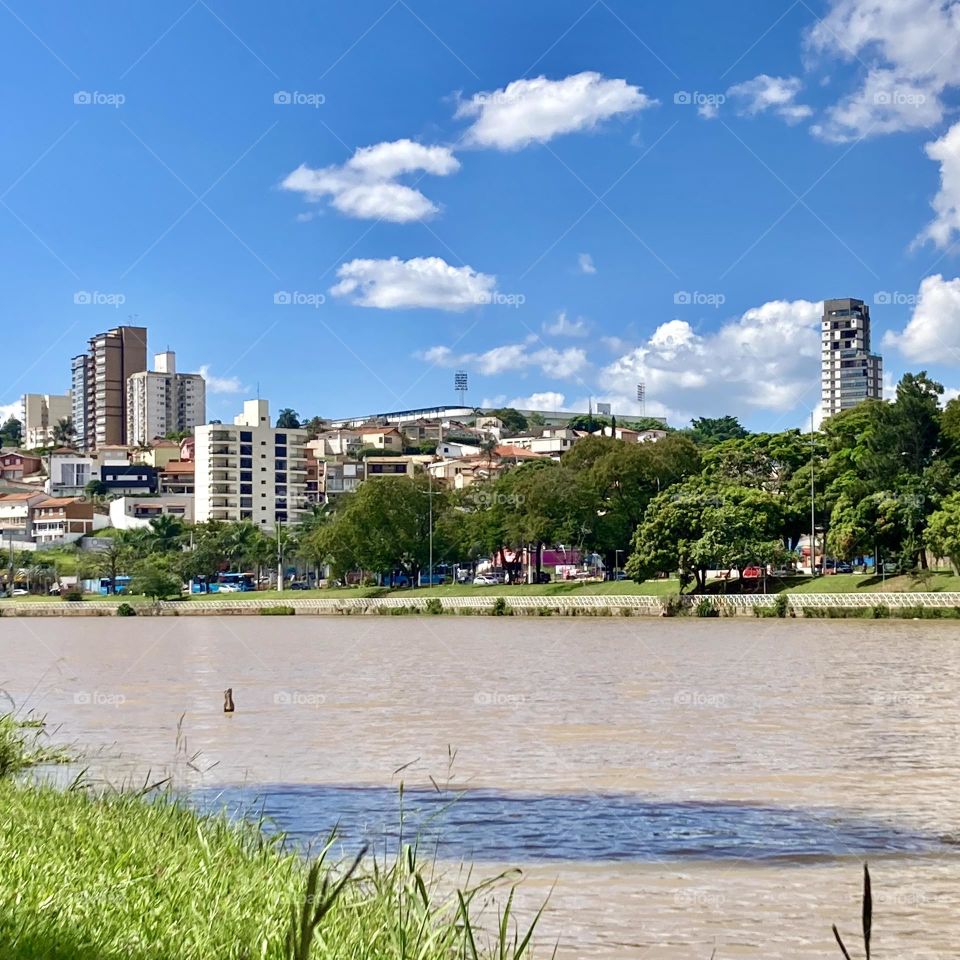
column 118, row 875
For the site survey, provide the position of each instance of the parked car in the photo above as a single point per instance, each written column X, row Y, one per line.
column 486, row 580
column 541, row 577
column 20, row 592
column 753, row 572
column 298, row 585
column 843, row 567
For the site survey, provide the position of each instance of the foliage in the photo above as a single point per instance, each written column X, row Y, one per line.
column 11, row 433
column 288, row 419
column 96, row 489
column 709, row 431
column 154, row 578
column 277, row 611
column 433, row 606
column 125, row 610
column 513, row 420
column 63, row 432
column 706, row 608
column 500, row 608
column 781, row 605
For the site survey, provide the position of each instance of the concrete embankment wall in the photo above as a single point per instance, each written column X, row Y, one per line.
column 825, row 604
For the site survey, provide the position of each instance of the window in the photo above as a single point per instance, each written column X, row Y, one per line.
column 246, row 436
column 281, row 438
column 246, row 450
column 246, row 463
column 246, row 476
column 246, row 488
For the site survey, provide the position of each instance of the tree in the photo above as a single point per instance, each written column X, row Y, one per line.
column 513, row 420
column 153, row 577
column 708, row 431
column 96, row 489
column 11, row 433
column 943, row 531
column 288, row 419
column 587, row 421
column 63, row 432
column 166, row 533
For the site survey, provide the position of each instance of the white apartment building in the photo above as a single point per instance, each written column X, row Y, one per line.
column 250, row 470
column 849, row 373
column 162, row 401
column 135, row 513
column 39, row 413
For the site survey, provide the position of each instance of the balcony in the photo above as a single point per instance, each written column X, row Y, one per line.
column 221, row 436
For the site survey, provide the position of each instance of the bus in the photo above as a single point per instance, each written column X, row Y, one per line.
column 120, row 585
column 231, row 582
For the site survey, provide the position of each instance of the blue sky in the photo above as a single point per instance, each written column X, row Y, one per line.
column 564, row 198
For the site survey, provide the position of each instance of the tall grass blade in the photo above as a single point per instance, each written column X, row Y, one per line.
column 867, row 910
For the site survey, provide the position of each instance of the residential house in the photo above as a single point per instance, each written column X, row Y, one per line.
column 381, row 438
column 125, row 479
column 134, row 513
column 335, row 443
column 69, row 472
column 65, row 519
column 178, row 476
column 18, row 466
column 16, row 519
column 339, row 477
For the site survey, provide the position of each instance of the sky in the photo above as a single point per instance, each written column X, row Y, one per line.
column 338, row 206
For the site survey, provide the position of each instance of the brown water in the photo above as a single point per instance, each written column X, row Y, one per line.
column 684, row 783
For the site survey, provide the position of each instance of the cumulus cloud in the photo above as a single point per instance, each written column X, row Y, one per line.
column 546, row 400
column 221, row 384
column 513, row 357
column 932, row 335
column 586, row 264
column 911, row 47
column 8, row 410
column 366, row 185
column 946, row 203
column 562, row 326
column 537, row 110
column 397, row 284
column 766, row 359
column 765, row 93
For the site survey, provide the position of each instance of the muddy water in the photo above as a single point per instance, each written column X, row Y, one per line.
column 684, row 783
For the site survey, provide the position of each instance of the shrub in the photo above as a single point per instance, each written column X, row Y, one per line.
column 672, row 606
column 278, row 611
column 781, row 605
column 500, row 608
column 73, row 594
column 433, row 606
column 880, row 611
column 705, row 608
column 125, row 610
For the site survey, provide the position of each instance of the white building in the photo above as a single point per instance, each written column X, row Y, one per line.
column 849, row 373
column 69, row 472
column 162, row 401
column 251, row 470
column 135, row 513
column 39, row 413
column 16, row 514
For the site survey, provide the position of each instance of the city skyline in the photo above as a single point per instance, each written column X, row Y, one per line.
column 341, row 222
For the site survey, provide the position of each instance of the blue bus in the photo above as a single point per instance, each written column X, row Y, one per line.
column 120, row 585
column 233, row 582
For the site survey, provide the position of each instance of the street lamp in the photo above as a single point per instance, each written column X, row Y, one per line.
column 616, row 562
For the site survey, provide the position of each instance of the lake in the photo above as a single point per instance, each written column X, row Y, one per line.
column 678, row 784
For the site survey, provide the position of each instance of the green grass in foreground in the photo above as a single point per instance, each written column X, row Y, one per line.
column 121, row 877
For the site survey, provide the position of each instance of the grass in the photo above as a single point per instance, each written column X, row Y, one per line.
column 123, row 875
column 940, row 582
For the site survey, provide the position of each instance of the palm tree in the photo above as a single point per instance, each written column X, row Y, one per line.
column 288, row 419
column 63, row 432
column 166, row 533
column 489, row 448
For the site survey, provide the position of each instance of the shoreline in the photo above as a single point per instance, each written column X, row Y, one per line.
column 784, row 606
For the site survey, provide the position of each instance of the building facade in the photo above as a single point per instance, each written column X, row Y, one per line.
column 162, row 401
column 251, row 470
column 39, row 414
column 849, row 373
column 99, row 385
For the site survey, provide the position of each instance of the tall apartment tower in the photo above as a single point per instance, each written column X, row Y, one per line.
column 162, row 401
column 99, row 377
column 250, row 470
column 849, row 373
column 40, row 413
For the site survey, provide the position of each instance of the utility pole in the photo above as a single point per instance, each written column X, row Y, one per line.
column 280, row 556
column 813, row 506
column 430, row 497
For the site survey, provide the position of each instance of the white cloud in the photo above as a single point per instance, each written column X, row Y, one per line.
column 767, row 359
column 221, row 384
column 8, row 410
column 421, row 282
column 537, row 110
column 932, row 334
column 776, row 94
column 911, row 48
column 946, row 203
column 586, row 264
column 562, row 327
column 546, row 400
column 513, row 357
column 366, row 185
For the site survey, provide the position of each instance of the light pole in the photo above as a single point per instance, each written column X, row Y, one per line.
column 616, row 562
column 430, row 500
column 280, row 556
column 813, row 507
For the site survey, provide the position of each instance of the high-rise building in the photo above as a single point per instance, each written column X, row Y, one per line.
column 162, row 401
column 849, row 373
column 250, row 470
column 100, row 378
column 40, row 413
